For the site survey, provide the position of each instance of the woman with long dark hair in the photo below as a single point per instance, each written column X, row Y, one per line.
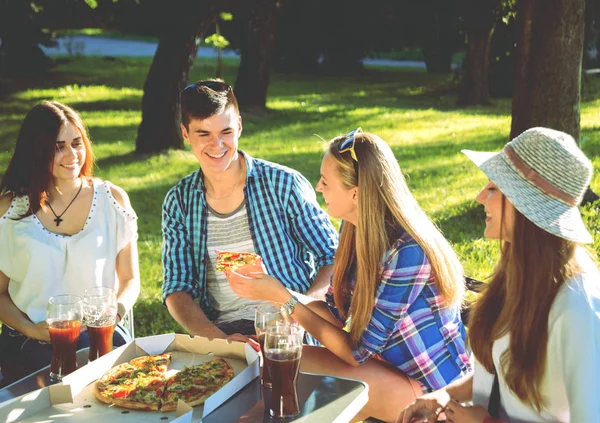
column 535, row 330
column 397, row 284
column 62, row 231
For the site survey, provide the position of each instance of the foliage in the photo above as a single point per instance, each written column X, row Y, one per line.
column 217, row 41
column 413, row 111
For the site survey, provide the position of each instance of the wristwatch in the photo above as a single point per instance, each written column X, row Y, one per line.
column 288, row 308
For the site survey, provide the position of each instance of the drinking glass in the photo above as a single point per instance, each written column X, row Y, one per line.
column 64, row 316
column 283, row 350
column 266, row 316
column 100, row 316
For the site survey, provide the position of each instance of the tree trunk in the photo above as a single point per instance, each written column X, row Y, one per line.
column 167, row 76
column 257, row 49
column 548, row 65
column 437, row 59
column 21, row 33
column 438, row 34
column 479, row 21
column 342, row 45
column 549, row 58
column 475, row 85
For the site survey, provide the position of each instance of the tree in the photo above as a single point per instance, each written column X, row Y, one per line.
column 184, row 22
column 294, row 54
column 438, row 31
column 260, row 18
column 479, row 17
column 21, row 32
column 548, row 67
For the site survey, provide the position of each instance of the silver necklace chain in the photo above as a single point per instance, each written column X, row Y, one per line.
column 232, row 189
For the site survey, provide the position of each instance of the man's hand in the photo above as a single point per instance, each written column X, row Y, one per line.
column 238, row 337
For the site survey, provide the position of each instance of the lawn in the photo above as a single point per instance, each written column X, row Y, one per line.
column 413, row 111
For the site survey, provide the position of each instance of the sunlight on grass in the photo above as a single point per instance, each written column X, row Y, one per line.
column 413, row 111
column 79, row 94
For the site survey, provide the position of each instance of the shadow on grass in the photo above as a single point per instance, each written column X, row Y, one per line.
column 464, row 222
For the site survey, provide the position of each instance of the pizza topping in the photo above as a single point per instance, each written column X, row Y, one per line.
column 142, row 383
column 227, row 260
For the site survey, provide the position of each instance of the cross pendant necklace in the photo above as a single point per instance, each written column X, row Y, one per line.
column 58, row 217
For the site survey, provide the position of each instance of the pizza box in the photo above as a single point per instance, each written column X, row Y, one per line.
column 73, row 400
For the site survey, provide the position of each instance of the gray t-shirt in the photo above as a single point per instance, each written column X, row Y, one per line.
column 228, row 232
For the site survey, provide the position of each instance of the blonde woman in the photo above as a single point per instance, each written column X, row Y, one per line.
column 535, row 331
column 396, row 282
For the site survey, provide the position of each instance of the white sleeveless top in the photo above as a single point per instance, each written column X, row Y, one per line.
column 40, row 264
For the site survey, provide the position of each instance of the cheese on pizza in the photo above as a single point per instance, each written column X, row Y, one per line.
column 229, row 260
column 142, row 383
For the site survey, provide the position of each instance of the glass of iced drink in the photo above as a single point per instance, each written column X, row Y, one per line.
column 100, row 315
column 266, row 316
column 64, row 317
column 283, row 350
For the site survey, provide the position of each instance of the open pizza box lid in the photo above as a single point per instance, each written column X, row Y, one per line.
column 73, row 400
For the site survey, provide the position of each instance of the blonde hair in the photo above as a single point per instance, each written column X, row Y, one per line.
column 385, row 205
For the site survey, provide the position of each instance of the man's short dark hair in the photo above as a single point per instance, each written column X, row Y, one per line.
column 206, row 98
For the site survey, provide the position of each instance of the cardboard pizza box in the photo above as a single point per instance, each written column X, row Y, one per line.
column 73, row 400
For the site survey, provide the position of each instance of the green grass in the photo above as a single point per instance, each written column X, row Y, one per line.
column 106, row 33
column 413, row 111
column 413, row 54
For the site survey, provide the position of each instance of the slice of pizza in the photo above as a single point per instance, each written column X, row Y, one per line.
column 195, row 384
column 230, row 260
column 131, row 387
column 158, row 362
column 138, row 384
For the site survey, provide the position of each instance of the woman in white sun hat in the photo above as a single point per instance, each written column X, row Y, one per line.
column 535, row 330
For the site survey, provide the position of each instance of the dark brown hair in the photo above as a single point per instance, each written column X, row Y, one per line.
column 29, row 171
column 517, row 300
column 206, row 98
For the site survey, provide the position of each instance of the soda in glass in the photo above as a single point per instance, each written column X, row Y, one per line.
column 266, row 316
column 64, row 317
column 283, row 350
column 100, row 315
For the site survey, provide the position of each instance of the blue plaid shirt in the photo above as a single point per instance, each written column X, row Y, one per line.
column 289, row 229
column 410, row 327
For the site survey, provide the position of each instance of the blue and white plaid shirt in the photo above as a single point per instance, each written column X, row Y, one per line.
column 410, row 327
column 289, row 229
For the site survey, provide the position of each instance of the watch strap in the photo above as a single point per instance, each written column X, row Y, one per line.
column 289, row 307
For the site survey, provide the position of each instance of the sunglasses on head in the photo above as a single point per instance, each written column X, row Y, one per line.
column 217, row 86
column 348, row 145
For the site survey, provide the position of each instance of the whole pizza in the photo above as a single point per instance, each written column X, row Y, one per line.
column 142, row 383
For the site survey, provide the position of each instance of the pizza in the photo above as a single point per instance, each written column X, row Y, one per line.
column 195, row 384
column 159, row 362
column 132, row 387
column 142, row 383
column 230, row 260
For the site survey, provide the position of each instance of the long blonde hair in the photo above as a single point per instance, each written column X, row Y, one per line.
column 517, row 300
column 385, row 206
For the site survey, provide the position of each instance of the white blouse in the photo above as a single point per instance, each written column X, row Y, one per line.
column 571, row 382
column 40, row 263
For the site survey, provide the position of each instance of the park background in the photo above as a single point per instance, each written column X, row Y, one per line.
column 306, row 71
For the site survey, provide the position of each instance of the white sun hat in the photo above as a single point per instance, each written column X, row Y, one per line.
column 544, row 174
